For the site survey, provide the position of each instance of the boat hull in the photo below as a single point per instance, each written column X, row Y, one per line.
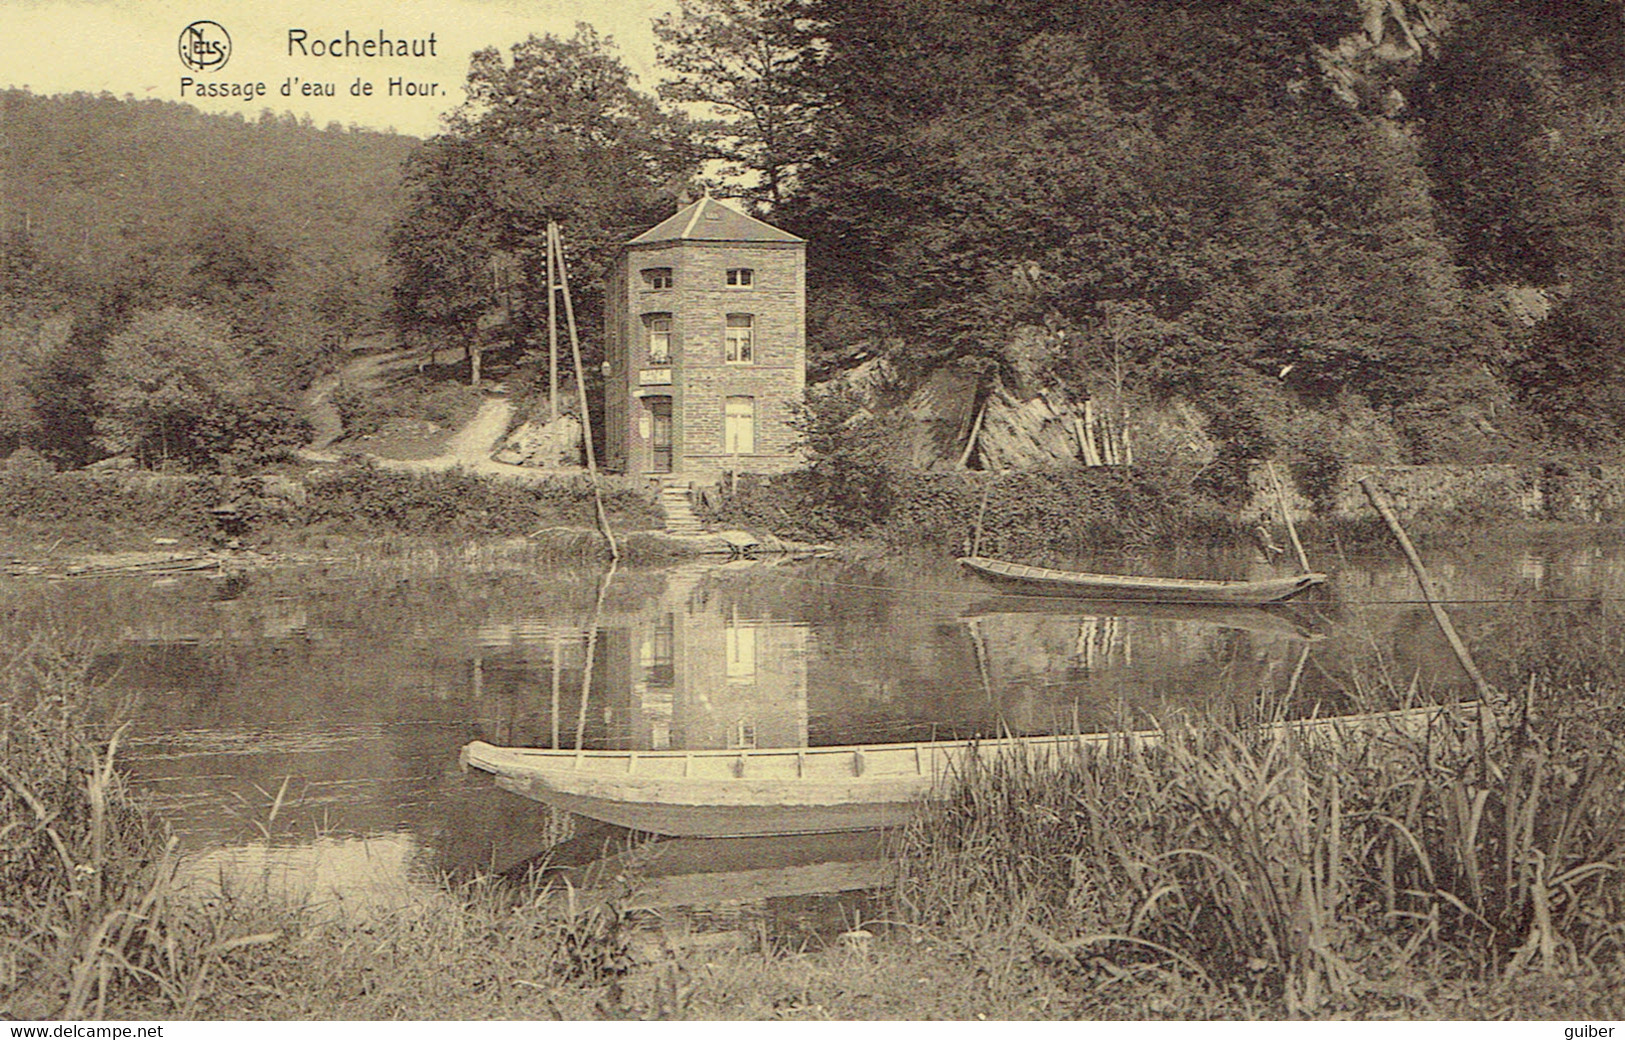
column 718, row 821
column 785, row 791
column 1045, row 581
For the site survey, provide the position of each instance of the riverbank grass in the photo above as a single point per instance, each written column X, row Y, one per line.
column 1278, row 875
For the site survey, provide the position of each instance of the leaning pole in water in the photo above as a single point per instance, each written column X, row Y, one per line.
column 555, row 248
column 1486, row 692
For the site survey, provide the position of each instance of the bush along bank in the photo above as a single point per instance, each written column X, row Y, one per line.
column 1023, row 513
column 352, row 499
column 1061, row 512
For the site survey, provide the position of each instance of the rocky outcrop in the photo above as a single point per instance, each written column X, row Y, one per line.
column 1392, row 32
column 940, row 414
column 1022, row 434
column 552, row 445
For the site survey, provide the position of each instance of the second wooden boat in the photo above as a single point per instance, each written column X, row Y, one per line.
column 1077, row 584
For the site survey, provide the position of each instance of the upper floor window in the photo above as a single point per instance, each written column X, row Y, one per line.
column 736, row 342
column 741, row 276
column 657, row 277
column 658, row 327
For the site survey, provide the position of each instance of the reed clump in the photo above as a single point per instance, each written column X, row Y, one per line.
column 94, row 924
column 1287, row 873
column 87, row 905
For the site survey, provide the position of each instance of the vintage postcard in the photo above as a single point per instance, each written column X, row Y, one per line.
column 811, row 510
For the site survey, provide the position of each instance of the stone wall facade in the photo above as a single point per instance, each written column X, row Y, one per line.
column 698, row 378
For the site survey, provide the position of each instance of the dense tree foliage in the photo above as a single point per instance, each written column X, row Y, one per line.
column 170, row 387
column 1327, row 205
column 267, row 231
column 745, row 68
column 556, row 131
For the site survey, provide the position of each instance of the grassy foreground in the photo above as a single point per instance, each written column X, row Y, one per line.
column 1223, row 874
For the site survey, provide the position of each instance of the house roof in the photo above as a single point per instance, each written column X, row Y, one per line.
column 709, row 220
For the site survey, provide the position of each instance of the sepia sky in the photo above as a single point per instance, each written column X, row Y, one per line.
column 131, row 47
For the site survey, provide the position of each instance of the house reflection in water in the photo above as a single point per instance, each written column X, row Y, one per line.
column 702, row 669
column 697, row 665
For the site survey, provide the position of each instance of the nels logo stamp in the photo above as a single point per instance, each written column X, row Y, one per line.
column 205, row 46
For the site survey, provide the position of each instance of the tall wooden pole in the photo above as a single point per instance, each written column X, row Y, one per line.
column 592, row 651
column 1429, row 592
column 1286, row 518
column 970, row 439
column 552, row 332
column 981, row 511
column 581, row 390
column 557, row 670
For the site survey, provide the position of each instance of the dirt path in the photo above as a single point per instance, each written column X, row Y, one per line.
column 366, row 372
column 475, row 443
column 470, row 447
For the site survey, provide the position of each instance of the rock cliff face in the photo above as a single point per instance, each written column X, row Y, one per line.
column 1357, row 69
column 553, row 445
column 1022, row 434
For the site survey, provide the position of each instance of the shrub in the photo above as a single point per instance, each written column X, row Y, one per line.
column 365, row 410
column 1068, row 510
column 457, row 502
column 173, row 388
column 356, row 409
column 175, row 502
column 1319, row 475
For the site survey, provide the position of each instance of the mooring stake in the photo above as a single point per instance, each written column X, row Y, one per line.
column 1286, row 518
column 1486, row 692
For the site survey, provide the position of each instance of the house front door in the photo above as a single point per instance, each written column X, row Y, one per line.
column 660, row 433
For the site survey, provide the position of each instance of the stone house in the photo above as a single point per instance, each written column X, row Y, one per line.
column 705, row 347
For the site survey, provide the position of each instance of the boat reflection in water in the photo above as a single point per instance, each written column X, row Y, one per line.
column 1057, row 667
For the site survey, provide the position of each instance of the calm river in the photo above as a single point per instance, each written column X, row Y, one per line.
column 300, row 726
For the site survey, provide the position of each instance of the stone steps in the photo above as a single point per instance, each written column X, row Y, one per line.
column 679, row 513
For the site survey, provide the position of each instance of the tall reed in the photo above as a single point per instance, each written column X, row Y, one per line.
column 86, row 901
column 93, row 922
column 1299, row 871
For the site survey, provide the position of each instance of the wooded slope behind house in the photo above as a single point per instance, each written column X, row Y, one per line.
column 1405, row 217
column 271, row 232
column 1384, row 231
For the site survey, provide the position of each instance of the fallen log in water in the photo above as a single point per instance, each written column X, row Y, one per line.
column 103, row 565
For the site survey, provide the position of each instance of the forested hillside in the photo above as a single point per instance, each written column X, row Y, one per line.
column 169, row 279
column 1407, row 215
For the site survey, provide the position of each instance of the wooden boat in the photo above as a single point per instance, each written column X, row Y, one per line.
column 1048, row 582
column 745, row 793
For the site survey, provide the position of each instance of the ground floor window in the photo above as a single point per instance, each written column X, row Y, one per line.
column 739, row 426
